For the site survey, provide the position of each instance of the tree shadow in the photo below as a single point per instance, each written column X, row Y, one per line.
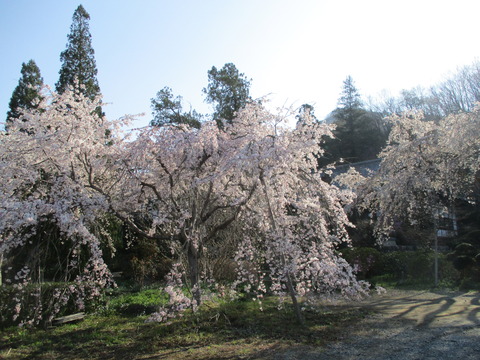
column 474, row 314
column 428, row 308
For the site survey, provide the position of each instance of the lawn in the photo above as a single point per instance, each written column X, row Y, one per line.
column 219, row 330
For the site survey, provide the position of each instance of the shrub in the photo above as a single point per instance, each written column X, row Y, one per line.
column 396, row 264
column 417, row 267
column 466, row 249
column 465, row 259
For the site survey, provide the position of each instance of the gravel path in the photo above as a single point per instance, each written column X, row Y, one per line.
column 408, row 325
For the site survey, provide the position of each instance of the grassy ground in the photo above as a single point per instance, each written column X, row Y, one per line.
column 237, row 330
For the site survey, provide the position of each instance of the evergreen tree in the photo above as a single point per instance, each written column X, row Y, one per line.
column 228, row 90
column 350, row 97
column 359, row 134
column 168, row 109
column 27, row 94
column 347, row 114
column 78, row 61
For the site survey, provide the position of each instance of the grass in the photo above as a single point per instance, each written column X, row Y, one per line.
column 217, row 331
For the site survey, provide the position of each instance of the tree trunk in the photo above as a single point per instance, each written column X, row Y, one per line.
column 1, row 264
column 293, row 296
column 194, row 271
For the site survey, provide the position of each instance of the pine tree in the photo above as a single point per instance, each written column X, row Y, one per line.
column 78, row 61
column 27, row 94
column 168, row 109
column 228, row 90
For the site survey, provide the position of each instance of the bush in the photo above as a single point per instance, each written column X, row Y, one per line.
column 466, row 249
column 402, row 267
column 465, row 259
column 395, row 264
column 367, row 261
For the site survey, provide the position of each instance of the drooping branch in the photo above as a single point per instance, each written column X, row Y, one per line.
column 288, row 275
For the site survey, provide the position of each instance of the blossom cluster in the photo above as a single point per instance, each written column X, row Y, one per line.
column 426, row 166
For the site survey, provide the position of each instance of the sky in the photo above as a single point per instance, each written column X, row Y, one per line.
column 295, row 51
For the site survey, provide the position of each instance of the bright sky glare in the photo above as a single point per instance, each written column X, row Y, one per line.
column 295, row 51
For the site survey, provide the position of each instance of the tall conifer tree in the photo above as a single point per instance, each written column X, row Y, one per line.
column 347, row 118
column 27, row 94
column 78, row 61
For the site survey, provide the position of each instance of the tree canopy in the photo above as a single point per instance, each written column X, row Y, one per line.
column 228, row 91
column 426, row 166
column 168, row 109
column 27, row 94
column 78, row 60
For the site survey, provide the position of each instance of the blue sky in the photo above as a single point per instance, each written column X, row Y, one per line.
column 295, row 51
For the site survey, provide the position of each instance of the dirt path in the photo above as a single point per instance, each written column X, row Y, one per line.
column 408, row 325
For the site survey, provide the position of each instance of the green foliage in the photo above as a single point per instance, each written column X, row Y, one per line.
column 27, row 93
column 466, row 249
column 143, row 302
column 168, row 109
column 78, row 61
column 465, row 256
column 410, row 265
column 304, row 111
column 416, row 268
column 228, row 91
column 472, row 237
column 400, row 267
column 350, row 97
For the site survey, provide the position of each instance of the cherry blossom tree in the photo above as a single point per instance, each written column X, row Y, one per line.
column 426, row 166
column 190, row 184
column 303, row 220
column 50, row 213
